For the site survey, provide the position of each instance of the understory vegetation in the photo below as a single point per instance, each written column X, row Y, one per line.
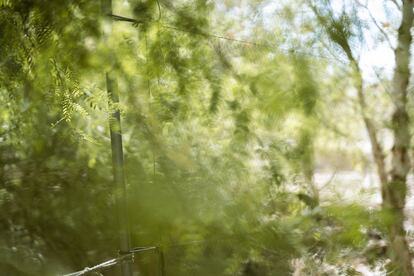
column 259, row 137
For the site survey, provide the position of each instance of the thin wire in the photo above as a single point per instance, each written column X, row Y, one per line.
column 206, row 34
column 106, row 264
column 130, row 254
column 132, row 20
column 215, row 36
column 124, row 256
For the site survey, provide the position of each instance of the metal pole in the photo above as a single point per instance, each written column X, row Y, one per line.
column 116, row 145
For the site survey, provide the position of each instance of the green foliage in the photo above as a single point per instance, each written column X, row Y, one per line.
column 219, row 141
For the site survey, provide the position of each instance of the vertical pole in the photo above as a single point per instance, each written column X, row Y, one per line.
column 116, row 145
column 161, row 261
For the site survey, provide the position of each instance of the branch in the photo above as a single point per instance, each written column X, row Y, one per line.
column 343, row 43
column 396, row 4
column 387, row 38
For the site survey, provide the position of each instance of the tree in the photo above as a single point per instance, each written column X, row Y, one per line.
column 396, row 189
column 340, row 31
column 225, row 120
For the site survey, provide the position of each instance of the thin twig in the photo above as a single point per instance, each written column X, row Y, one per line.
column 396, row 4
column 387, row 38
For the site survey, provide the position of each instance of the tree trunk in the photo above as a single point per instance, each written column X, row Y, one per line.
column 116, row 145
column 393, row 185
column 376, row 148
column 394, row 202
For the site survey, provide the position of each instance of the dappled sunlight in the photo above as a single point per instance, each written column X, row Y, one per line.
column 191, row 137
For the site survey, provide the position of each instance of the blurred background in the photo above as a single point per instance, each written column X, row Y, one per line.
column 248, row 147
